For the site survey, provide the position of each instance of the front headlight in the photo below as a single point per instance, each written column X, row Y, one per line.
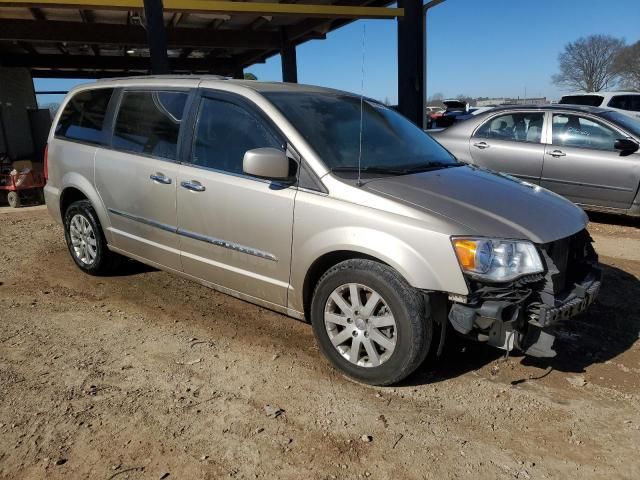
column 497, row 260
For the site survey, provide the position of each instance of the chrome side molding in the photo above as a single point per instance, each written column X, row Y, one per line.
column 196, row 236
column 146, row 221
column 231, row 246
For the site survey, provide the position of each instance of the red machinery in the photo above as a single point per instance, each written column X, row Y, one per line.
column 20, row 185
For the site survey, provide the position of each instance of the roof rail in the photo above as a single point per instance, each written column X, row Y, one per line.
column 167, row 76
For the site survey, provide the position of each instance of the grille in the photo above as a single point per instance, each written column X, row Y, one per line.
column 567, row 261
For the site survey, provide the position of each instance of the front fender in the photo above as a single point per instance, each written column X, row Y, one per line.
column 436, row 271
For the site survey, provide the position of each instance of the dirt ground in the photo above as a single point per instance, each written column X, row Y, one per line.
column 147, row 376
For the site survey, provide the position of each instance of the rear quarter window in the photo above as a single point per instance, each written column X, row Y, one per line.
column 83, row 116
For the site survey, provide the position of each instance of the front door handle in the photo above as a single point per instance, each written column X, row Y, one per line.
column 193, row 185
column 557, row 153
column 481, row 145
column 160, row 178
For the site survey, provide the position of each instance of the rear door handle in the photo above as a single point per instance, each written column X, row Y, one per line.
column 557, row 153
column 481, row 145
column 160, row 178
column 193, row 185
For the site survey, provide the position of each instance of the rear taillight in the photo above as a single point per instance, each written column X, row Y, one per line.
column 46, row 162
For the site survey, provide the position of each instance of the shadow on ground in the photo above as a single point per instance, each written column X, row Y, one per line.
column 612, row 219
column 132, row 267
column 609, row 328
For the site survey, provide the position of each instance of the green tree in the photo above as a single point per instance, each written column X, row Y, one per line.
column 250, row 76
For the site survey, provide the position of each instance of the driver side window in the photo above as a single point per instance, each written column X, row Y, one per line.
column 224, row 132
column 581, row 132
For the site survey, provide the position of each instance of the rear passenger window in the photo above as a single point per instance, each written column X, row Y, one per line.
column 83, row 116
column 515, row 127
column 224, row 132
column 149, row 122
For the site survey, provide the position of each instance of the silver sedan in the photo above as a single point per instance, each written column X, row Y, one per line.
column 589, row 155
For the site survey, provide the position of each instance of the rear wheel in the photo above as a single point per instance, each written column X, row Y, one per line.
column 370, row 323
column 86, row 242
column 13, row 199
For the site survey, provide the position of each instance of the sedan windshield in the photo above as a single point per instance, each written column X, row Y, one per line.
column 331, row 124
column 625, row 121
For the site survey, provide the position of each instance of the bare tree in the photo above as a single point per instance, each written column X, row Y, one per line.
column 628, row 64
column 589, row 63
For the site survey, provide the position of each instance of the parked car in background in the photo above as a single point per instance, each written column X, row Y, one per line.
column 432, row 113
column 587, row 154
column 454, row 109
column 624, row 102
column 320, row 205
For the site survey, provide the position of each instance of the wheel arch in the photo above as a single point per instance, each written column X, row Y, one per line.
column 77, row 187
column 323, row 264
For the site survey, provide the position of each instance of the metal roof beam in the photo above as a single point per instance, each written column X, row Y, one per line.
column 131, row 35
column 217, row 6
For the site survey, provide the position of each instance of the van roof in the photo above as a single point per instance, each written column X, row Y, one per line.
column 207, row 80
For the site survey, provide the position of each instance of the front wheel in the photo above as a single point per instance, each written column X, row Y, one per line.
column 370, row 323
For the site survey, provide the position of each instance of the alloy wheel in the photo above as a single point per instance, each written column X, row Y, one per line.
column 360, row 325
column 83, row 239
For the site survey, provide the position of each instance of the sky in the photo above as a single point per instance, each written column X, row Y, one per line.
column 479, row 48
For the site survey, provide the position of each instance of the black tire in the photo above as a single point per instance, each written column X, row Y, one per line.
column 13, row 199
column 409, row 307
column 105, row 261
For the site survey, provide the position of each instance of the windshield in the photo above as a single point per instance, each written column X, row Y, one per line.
column 590, row 100
column 625, row 121
column 331, row 125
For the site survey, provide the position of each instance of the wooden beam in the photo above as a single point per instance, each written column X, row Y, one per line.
column 131, row 35
column 217, row 6
column 88, row 17
column 104, row 62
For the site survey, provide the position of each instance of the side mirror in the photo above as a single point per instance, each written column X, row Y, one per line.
column 626, row 145
column 269, row 163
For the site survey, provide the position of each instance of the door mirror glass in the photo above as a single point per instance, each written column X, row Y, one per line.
column 267, row 162
column 626, row 145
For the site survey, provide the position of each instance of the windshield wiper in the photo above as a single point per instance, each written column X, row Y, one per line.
column 426, row 167
column 370, row 169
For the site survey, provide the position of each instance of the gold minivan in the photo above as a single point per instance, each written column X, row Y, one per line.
column 321, row 205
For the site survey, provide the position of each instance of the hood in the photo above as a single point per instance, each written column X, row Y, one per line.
column 487, row 204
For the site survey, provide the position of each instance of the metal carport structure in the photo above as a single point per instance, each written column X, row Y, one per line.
column 107, row 38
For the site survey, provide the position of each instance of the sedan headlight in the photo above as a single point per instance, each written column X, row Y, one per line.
column 497, row 260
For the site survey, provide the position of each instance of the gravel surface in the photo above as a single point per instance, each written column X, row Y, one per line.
column 148, row 376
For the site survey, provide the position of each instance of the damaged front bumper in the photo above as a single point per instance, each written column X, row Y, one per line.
column 522, row 314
